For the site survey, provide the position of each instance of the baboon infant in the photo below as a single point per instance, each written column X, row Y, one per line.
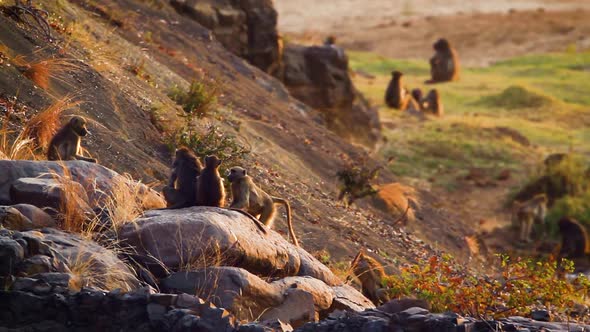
column 210, row 190
column 444, row 65
column 397, row 96
column 432, row 103
column 65, row 145
column 181, row 190
column 247, row 196
column 525, row 214
column 371, row 274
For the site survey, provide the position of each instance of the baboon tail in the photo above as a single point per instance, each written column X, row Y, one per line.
column 289, row 219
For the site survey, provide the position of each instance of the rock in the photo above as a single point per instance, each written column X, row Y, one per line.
column 98, row 181
column 195, row 231
column 247, row 296
column 246, row 28
column 297, row 308
column 38, row 217
column 82, row 262
column 399, row 305
column 37, row 264
column 244, row 294
column 323, row 295
column 48, row 192
column 348, row 298
column 318, row 76
column 11, row 254
column 277, row 326
column 13, row 219
column 541, row 315
column 413, row 311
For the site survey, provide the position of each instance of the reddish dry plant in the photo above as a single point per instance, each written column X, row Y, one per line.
column 43, row 126
column 41, row 72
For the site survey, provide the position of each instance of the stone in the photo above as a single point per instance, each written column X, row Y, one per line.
column 297, row 308
column 156, row 311
column 413, row 311
column 96, row 180
column 13, row 219
column 194, row 231
column 319, row 77
column 166, row 300
column 188, row 301
column 541, row 315
column 399, row 305
column 38, row 217
column 54, row 279
column 47, row 192
column 11, row 254
column 37, row 264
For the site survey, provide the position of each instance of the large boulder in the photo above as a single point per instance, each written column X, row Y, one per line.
column 49, row 251
column 17, row 178
column 248, row 28
column 292, row 300
column 319, row 77
column 176, row 237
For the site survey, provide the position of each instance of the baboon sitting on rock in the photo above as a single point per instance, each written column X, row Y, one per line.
column 181, row 190
column 444, row 65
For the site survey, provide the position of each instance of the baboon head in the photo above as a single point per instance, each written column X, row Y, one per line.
column 212, row 162
column 330, row 40
column 184, row 156
column 442, row 45
column 417, row 94
column 78, row 125
column 396, row 74
column 236, row 173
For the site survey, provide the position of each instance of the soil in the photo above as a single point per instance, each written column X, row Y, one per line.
column 482, row 31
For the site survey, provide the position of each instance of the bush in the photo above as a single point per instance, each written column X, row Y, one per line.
column 212, row 142
column 516, row 288
column 356, row 181
column 198, row 101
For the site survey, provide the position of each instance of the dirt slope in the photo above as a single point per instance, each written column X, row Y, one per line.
column 293, row 155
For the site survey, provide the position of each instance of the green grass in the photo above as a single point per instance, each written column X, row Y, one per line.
column 544, row 98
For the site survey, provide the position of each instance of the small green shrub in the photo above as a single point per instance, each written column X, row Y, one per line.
column 211, row 142
column 518, row 286
column 200, row 99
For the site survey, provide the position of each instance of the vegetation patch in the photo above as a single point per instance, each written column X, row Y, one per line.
column 517, row 97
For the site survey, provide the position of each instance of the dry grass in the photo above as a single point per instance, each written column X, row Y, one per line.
column 21, row 147
column 42, row 71
column 87, row 272
column 125, row 202
column 43, row 126
column 71, row 210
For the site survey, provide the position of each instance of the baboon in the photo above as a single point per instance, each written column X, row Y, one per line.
column 444, row 65
column 181, row 190
column 330, row 40
column 574, row 239
column 371, row 274
column 210, row 190
column 432, row 103
column 417, row 94
column 65, row 145
column 247, row 196
column 396, row 95
column 529, row 212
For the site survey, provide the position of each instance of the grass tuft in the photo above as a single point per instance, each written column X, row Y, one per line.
column 41, row 72
column 518, row 97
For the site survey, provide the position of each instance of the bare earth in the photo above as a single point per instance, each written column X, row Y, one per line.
column 482, row 31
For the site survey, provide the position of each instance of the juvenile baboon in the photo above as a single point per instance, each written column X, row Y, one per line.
column 247, row 196
column 525, row 214
column 181, row 190
column 417, row 94
column 396, row 95
column 371, row 274
column 432, row 103
column 574, row 239
column 444, row 65
column 210, row 190
column 65, row 145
